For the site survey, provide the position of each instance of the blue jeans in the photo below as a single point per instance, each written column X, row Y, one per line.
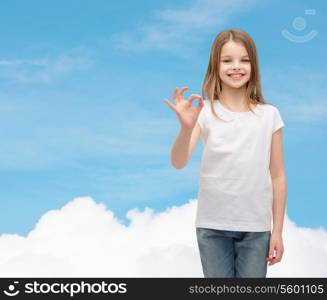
column 226, row 253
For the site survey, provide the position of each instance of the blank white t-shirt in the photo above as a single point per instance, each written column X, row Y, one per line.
column 235, row 188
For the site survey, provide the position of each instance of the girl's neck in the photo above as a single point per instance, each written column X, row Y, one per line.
column 234, row 98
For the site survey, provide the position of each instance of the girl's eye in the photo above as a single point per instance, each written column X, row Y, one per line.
column 226, row 60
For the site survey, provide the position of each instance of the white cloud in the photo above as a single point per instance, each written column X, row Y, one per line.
column 16, row 62
column 299, row 92
column 84, row 239
column 43, row 70
column 178, row 30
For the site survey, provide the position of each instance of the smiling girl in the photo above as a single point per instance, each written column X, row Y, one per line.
column 242, row 186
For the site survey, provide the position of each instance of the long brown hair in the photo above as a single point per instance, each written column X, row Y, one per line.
column 212, row 84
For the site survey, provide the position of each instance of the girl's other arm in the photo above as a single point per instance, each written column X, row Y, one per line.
column 277, row 171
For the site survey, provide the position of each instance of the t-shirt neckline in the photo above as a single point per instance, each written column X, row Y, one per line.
column 241, row 113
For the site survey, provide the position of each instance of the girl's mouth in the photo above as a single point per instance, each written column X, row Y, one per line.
column 235, row 76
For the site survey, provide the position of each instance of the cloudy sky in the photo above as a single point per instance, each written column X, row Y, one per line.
column 87, row 186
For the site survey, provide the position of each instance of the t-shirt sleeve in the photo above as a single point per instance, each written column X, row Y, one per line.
column 201, row 117
column 277, row 120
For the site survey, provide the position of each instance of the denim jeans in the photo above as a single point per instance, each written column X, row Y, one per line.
column 226, row 253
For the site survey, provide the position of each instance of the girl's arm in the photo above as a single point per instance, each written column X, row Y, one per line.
column 184, row 146
column 190, row 130
column 277, row 171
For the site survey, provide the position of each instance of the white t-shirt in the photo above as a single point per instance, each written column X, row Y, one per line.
column 235, row 187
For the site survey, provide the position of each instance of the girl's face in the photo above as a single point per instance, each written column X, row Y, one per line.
column 234, row 60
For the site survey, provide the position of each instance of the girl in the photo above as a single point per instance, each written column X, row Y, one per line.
column 242, row 185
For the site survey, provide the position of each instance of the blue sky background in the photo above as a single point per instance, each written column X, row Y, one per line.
column 82, row 85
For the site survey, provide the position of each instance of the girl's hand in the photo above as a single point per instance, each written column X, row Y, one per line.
column 186, row 113
column 275, row 244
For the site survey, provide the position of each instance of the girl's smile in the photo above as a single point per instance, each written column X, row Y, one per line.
column 236, row 76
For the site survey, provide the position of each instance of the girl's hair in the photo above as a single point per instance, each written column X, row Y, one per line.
column 212, row 83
